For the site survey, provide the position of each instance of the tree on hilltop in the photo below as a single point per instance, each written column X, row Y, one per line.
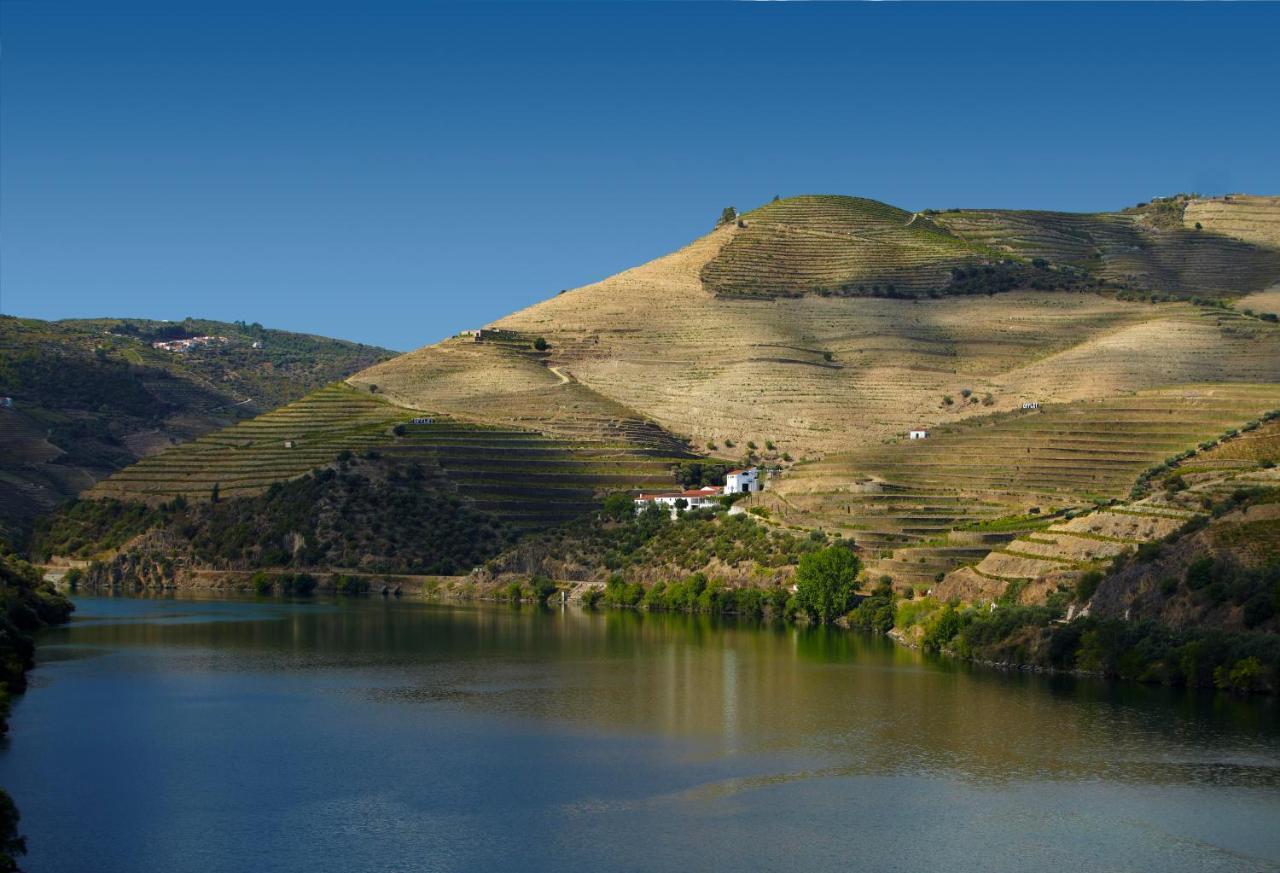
column 727, row 215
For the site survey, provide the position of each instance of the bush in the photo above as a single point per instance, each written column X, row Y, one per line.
column 543, row 588
column 261, row 583
column 350, row 585
column 1087, row 585
column 541, row 344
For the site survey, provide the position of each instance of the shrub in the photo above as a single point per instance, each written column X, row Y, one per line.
column 261, row 583
column 1087, row 585
column 351, row 585
column 541, row 344
column 619, row 506
column 543, row 588
column 1242, row 677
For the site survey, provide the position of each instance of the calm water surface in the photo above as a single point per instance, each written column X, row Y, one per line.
column 241, row 735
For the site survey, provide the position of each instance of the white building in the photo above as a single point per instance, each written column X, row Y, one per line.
column 918, row 434
column 742, row 481
column 1031, row 405
column 702, row 498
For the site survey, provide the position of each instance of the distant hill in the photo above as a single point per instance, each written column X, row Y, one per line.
column 87, row 397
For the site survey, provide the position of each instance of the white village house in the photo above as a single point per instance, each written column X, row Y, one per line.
column 918, row 434
column 740, row 481
column 700, row 498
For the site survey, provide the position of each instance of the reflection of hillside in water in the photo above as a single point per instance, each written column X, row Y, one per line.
column 848, row 703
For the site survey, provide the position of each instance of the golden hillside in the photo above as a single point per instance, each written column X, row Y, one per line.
column 681, row 352
column 813, row 374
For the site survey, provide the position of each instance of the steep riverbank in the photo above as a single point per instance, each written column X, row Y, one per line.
column 27, row 603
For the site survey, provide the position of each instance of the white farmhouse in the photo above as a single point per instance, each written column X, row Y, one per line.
column 1031, row 404
column 918, row 434
column 701, row 498
column 742, row 481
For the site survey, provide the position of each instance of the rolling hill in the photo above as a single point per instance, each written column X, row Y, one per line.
column 810, row 334
column 88, row 397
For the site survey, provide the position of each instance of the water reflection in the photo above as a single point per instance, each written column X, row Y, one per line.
column 370, row 734
column 739, row 685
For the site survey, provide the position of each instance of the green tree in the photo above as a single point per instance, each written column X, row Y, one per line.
column 619, row 506
column 541, row 344
column 214, row 495
column 825, row 583
column 727, row 215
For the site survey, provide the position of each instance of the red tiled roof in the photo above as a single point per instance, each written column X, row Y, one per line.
column 701, row 492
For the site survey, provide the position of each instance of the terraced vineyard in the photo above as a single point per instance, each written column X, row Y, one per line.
column 523, row 476
column 1236, row 251
column 1040, row 561
column 1250, row 218
column 718, row 345
column 843, row 245
column 914, row 493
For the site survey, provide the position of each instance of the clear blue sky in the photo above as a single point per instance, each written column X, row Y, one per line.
column 394, row 174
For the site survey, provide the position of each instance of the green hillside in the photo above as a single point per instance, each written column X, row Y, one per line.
column 92, row 396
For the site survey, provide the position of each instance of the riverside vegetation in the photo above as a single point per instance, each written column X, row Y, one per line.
column 27, row 603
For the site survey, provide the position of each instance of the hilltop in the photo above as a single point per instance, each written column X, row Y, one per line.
column 1052, row 358
column 88, row 397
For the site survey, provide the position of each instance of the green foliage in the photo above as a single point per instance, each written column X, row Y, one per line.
column 1087, row 585
column 542, row 588
column 350, row 585
column 728, row 215
column 400, row 522
column 619, row 506
column 1137, row 651
column 541, row 344
column 27, row 603
column 12, row 844
column 699, row 474
column 825, row 583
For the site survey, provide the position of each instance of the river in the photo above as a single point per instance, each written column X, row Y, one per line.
column 365, row 734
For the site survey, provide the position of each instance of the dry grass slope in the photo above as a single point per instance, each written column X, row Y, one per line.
column 1236, row 252
column 843, row 245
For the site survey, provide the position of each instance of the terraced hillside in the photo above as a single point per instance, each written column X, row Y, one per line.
column 840, row 245
column 1042, row 561
column 523, row 476
column 601, row 387
column 810, row 374
column 1245, row 217
column 89, row 397
column 1234, row 252
column 916, row 494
